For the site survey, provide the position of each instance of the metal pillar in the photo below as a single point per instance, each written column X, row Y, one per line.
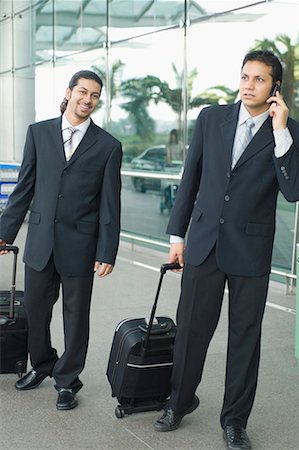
column 17, row 84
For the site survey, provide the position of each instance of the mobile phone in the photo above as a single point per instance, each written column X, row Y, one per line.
column 276, row 88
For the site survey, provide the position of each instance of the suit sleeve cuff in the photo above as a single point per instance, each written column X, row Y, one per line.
column 283, row 141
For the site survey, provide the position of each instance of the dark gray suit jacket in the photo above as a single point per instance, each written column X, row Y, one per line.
column 233, row 208
column 75, row 205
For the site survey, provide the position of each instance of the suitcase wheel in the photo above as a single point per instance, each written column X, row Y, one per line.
column 119, row 412
column 21, row 368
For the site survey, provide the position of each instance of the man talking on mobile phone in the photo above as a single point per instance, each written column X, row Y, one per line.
column 240, row 157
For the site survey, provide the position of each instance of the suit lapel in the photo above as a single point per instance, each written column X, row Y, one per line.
column 56, row 136
column 228, row 129
column 88, row 140
column 260, row 140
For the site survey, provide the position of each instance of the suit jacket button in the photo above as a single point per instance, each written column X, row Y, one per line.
column 221, row 220
column 227, row 198
column 55, row 220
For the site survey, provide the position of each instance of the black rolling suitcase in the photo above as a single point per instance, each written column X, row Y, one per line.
column 13, row 325
column 141, row 360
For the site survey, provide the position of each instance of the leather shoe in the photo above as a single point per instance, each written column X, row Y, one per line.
column 66, row 399
column 30, row 381
column 170, row 420
column 236, row 438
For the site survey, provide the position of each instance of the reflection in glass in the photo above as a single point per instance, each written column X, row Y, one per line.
column 161, row 62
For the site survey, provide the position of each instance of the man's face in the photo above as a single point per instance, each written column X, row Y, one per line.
column 256, row 86
column 82, row 100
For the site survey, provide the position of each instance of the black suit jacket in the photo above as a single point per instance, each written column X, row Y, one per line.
column 233, row 208
column 75, row 205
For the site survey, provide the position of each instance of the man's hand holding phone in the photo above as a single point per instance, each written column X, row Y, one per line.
column 278, row 109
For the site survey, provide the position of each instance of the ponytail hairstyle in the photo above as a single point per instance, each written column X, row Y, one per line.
column 63, row 105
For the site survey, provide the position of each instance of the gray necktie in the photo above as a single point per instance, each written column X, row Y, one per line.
column 244, row 140
column 69, row 149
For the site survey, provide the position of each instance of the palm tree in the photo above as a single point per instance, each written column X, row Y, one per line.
column 215, row 95
column 174, row 97
column 140, row 92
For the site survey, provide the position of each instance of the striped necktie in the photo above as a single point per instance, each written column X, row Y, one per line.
column 69, row 149
column 244, row 140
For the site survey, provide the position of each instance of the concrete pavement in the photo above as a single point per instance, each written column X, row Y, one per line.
column 29, row 420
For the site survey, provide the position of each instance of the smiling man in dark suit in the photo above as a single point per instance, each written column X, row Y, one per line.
column 229, row 189
column 70, row 176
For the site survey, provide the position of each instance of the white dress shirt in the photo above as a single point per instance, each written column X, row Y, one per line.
column 81, row 130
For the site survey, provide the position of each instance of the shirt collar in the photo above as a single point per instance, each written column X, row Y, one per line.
column 82, row 127
column 258, row 120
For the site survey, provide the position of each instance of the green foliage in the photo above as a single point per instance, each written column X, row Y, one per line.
column 140, row 92
column 214, row 95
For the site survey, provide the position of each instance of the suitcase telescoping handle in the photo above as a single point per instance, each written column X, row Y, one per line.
column 163, row 270
column 11, row 315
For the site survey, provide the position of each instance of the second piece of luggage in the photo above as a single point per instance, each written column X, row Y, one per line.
column 13, row 325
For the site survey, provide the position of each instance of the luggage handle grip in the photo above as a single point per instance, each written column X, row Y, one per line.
column 161, row 328
column 163, row 270
column 169, row 266
column 9, row 248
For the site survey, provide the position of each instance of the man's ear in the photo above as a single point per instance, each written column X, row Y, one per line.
column 68, row 93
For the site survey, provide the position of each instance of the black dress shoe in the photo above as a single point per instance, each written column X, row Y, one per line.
column 66, row 399
column 170, row 420
column 236, row 438
column 30, row 381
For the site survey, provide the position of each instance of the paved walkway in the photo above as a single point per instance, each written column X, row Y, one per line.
column 29, row 420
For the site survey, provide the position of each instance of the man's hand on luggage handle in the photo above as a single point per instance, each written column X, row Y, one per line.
column 3, row 252
column 102, row 269
column 176, row 254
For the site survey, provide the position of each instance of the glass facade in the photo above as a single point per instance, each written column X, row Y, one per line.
column 161, row 61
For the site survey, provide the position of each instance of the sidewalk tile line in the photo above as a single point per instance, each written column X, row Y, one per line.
column 155, row 269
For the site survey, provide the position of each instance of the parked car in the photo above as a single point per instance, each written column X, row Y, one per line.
column 152, row 159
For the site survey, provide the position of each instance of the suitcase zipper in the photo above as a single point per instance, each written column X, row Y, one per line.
column 149, row 366
column 120, row 351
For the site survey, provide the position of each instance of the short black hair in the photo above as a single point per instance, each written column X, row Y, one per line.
column 268, row 58
column 87, row 75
